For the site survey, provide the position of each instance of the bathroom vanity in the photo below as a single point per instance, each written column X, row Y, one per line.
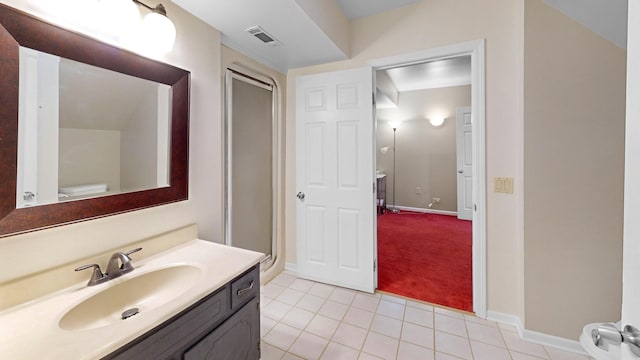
column 223, row 325
column 196, row 300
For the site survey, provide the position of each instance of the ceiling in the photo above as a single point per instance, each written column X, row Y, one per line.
column 302, row 42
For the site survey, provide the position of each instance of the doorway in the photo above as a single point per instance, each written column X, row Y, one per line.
column 474, row 51
column 424, row 233
column 251, row 163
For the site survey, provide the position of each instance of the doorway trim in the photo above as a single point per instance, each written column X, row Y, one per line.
column 475, row 49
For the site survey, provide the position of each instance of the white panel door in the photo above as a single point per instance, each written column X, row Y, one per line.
column 631, row 265
column 464, row 152
column 335, row 177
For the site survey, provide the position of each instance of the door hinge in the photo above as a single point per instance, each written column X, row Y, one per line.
column 375, row 265
column 374, row 187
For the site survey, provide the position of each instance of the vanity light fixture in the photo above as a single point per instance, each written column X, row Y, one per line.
column 436, row 121
column 159, row 31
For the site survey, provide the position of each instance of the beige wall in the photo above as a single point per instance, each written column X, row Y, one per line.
column 89, row 157
column 196, row 49
column 435, row 23
column 574, row 151
column 426, row 155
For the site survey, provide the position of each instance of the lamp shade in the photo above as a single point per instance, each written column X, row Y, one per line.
column 159, row 32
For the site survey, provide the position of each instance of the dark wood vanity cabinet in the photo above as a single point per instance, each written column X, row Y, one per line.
column 224, row 325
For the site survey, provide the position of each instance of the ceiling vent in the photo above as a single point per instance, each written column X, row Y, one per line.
column 262, row 35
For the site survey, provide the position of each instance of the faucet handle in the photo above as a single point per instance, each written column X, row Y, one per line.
column 126, row 261
column 97, row 277
column 132, row 251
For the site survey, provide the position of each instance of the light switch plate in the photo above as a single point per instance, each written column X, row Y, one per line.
column 503, row 185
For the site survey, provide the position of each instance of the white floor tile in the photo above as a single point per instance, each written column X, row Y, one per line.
column 557, row 354
column 391, row 309
column 266, row 325
column 268, row 352
column 418, row 316
column 483, row 351
column 301, row 285
column 407, row 351
column 477, row 320
column 365, row 356
column 284, row 279
column 520, row 356
column 394, row 299
column 333, row 310
column 350, row 335
column 443, row 356
column 358, row 317
column 302, row 320
column 418, row 335
column 448, row 312
column 514, row 343
column 322, row 326
column 451, row 325
column 272, row 290
column 386, row 326
column 343, row 296
column 335, row 351
column 276, row 310
column 453, row 345
column 419, row 305
column 298, row 318
column 366, row 302
column 321, row 290
column 289, row 356
column 311, row 303
column 308, row 346
column 289, row 296
column 282, row 336
column 381, row 345
column 485, row 334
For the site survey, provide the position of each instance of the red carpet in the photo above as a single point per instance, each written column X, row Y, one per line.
column 426, row 257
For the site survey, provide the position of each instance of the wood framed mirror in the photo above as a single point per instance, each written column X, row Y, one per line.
column 18, row 29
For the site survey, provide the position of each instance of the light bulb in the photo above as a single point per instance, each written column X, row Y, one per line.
column 159, row 32
column 436, row 121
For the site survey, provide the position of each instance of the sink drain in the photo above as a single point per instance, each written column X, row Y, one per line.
column 129, row 313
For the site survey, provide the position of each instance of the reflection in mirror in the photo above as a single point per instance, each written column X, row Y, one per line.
column 86, row 131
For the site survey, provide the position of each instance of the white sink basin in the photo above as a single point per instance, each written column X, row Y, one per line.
column 145, row 292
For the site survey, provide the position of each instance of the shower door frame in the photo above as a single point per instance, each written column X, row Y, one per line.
column 241, row 73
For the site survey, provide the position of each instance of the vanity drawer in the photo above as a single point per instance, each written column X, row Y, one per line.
column 179, row 331
column 245, row 288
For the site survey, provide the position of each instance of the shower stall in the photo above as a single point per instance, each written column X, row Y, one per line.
column 251, row 147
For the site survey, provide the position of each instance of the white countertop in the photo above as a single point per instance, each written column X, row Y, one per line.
column 31, row 331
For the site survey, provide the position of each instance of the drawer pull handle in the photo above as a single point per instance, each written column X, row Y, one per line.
column 241, row 292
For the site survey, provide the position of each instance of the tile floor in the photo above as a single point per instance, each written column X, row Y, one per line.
column 302, row 319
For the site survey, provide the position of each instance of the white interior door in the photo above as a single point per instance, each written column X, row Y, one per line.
column 631, row 265
column 464, row 153
column 335, row 178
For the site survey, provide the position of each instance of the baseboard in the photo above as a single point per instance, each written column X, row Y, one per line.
column 291, row 267
column 553, row 341
column 537, row 337
column 426, row 211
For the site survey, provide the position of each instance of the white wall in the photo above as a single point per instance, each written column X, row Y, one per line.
column 197, row 49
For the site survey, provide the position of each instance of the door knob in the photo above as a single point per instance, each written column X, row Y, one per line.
column 607, row 334
column 300, row 195
column 460, row 171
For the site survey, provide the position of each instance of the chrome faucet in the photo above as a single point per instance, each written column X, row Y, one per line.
column 118, row 265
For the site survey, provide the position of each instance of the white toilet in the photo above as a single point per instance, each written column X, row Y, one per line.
column 599, row 353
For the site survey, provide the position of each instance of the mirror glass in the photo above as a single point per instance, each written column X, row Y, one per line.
column 86, row 131
column 64, row 157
